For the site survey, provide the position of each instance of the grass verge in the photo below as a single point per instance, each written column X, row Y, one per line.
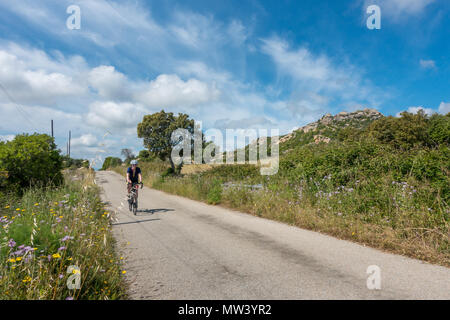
column 381, row 213
column 51, row 237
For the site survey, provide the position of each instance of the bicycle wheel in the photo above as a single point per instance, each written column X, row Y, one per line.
column 135, row 207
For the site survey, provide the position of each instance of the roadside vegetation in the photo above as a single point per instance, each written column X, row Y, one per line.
column 53, row 227
column 384, row 184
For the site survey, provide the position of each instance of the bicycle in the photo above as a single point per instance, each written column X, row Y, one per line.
column 133, row 197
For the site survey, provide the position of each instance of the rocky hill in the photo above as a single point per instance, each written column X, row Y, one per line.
column 329, row 122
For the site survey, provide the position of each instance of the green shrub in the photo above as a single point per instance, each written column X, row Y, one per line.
column 30, row 160
column 111, row 162
column 215, row 193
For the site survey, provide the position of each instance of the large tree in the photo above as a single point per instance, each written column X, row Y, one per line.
column 156, row 130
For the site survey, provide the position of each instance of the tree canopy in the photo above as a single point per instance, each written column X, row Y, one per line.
column 156, row 130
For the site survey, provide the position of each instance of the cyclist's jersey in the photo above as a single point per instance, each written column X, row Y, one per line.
column 134, row 178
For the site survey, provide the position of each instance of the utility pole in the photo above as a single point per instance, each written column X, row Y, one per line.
column 70, row 136
column 52, row 129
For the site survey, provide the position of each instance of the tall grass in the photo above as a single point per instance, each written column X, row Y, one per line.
column 398, row 216
column 45, row 232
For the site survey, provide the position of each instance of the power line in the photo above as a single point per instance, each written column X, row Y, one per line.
column 21, row 110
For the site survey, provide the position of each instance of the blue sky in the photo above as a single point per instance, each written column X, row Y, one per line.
column 231, row 64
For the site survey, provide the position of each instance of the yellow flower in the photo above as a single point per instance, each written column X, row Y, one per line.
column 123, row 272
column 353, row 233
column 56, row 203
column 75, row 271
column 70, row 259
column 23, row 210
column 18, row 258
column 27, row 279
column 60, row 217
column 36, row 204
column 12, row 260
column 7, row 207
column 56, row 255
column 18, row 209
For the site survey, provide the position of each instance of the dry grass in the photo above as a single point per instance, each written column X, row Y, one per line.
column 406, row 232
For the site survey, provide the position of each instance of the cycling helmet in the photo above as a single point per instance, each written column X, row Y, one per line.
column 134, row 162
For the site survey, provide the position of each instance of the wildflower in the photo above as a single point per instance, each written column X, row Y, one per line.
column 123, row 272
column 7, row 207
column 70, row 259
column 56, row 256
column 11, row 243
column 18, row 259
column 36, row 204
column 18, row 209
column 75, row 271
column 12, row 260
column 69, row 298
column 62, row 248
column 61, row 276
column 26, row 279
column 66, row 238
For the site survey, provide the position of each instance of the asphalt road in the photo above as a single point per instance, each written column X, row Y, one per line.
column 176, row 248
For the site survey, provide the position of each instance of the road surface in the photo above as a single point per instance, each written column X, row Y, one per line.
column 177, row 248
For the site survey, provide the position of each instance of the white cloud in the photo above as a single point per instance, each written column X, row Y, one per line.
column 34, row 81
column 109, row 83
column 170, row 91
column 112, row 116
column 427, row 64
column 7, row 137
column 400, row 8
column 444, row 107
column 414, row 110
column 317, row 81
column 87, row 140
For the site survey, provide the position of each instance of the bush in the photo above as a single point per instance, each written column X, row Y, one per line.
column 30, row 160
column 75, row 163
column 111, row 162
column 215, row 193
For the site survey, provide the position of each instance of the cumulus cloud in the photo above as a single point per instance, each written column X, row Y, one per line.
column 168, row 90
column 25, row 82
column 414, row 110
column 87, row 140
column 112, row 115
column 109, row 83
column 7, row 137
column 427, row 64
column 444, row 107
